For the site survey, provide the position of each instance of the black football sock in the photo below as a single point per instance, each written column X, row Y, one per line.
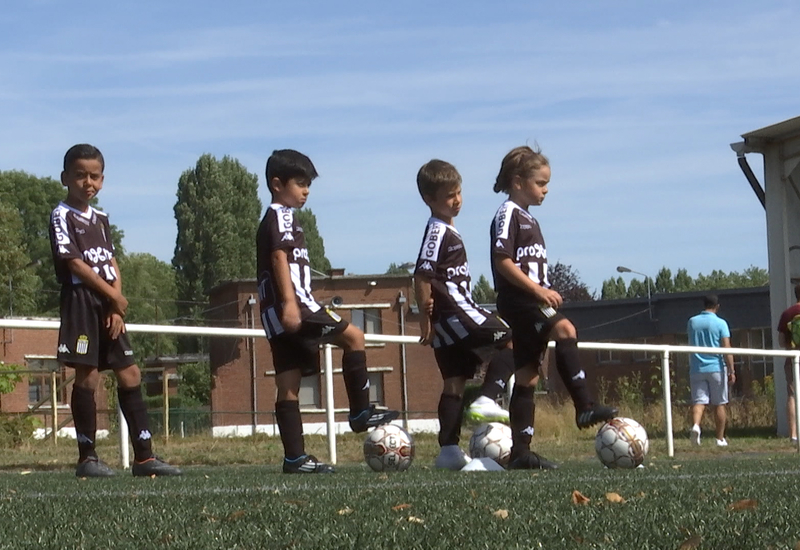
column 568, row 365
column 135, row 411
column 499, row 370
column 84, row 416
column 522, row 410
column 290, row 424
column 356, row 381
column 450, row 416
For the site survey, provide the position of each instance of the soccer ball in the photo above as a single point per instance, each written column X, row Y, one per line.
column 492, row 440
column 621, row 443
column 389, row 448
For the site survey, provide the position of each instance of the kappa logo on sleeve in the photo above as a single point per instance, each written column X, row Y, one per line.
column 63, row 348
column 287, row 237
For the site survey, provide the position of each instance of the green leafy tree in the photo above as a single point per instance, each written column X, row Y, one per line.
column 217, row 214
column 613, row 289
column 18, row 286
column 195, row 385
column 664, row 283
column 314, row 242
column 149, row 286
column 683, row 282
column 567, row 282
column 483, row 292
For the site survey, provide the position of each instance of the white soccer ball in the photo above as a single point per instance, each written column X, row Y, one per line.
column 389, row 448
column 492, row 440
column 621, row 443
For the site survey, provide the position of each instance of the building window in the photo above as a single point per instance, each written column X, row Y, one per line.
column 642, row 356
column 368, row 320
column 757, row 338
column 309, row 394
column 605, row 356
column 39, row 383
column 375, row 388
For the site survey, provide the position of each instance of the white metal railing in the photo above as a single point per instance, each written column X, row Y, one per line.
column 664, row 350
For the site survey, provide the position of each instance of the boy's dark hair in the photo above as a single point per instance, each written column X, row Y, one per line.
column 436, row 174
column 83, row 151
column 520, row 161
column 286, row 164
column 711, row 301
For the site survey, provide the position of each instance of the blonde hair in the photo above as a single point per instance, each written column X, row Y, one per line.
column 520, row 161
column 437, row 174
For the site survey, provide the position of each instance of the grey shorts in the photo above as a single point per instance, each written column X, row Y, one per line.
column 709, row 388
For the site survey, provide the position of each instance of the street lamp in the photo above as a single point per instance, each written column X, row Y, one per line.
column 623, row 269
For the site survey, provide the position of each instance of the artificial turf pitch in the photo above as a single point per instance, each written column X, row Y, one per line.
column 733, row 502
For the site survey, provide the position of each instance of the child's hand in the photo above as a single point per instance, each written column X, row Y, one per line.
column 119, row 304
column 425, row 329
column 115, row 325
column 290, row 318
column 551, row 298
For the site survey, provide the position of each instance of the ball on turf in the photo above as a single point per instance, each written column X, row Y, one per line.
column 621, row 443
column 492, row 440
column 389, row 448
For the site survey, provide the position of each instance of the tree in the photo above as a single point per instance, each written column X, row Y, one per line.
column 683, row 282
column 567, row 282
column 18, row 286
column 217, row 214
column 613, row 289
column 314, row 242
column 149, row 286
column 483, row 292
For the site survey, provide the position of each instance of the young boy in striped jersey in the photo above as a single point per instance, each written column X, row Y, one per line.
column 294, row 322
column 463, row 334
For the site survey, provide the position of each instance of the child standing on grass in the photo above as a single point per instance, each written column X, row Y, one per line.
column 463, row 334
column 92, row 335
column 526, row 301
column 294, row 322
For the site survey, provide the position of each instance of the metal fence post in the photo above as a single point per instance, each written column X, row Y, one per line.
column 165, row 391
column 796, row 369
column 329, row 405
column 54, row 404
column 665, row 381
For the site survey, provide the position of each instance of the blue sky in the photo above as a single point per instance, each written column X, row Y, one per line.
column 635, row 103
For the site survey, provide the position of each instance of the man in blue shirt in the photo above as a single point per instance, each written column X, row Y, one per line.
column 709, row 374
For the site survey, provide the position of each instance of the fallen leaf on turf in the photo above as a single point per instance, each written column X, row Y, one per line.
column 401, row 507
column 346, row 511
column 691, row 543
column 413, row 519
column 383, row 477
column 578, row 498
column 297, row 502
column 473, row 494
column 676, row 466
column 614, row 497
column 235, row 515
column 642, row 494
column 501, row 514
column 727, row 489
column 24, row 472
column 797, row 546
column 746, row 504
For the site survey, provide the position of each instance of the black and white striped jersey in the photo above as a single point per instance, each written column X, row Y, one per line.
column 443, row 260
column 279, row 230
column 84, row 235
column 516, row 234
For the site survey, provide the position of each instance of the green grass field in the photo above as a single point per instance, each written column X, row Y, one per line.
column 712, row 500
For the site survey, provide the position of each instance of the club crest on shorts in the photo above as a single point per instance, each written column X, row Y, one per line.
column 82, row 345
